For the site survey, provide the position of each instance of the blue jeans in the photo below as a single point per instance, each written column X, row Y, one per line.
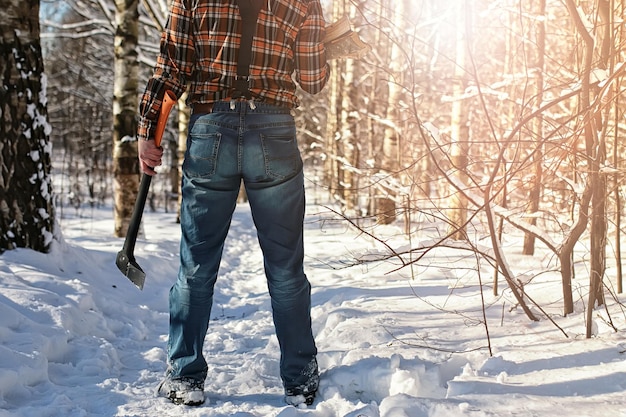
column 225, row 147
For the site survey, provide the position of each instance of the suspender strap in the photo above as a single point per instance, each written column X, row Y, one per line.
column 249, row 12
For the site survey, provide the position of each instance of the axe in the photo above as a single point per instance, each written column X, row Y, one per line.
column 125, row 260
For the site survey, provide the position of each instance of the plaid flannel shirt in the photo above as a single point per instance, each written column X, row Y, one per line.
column 199, row 50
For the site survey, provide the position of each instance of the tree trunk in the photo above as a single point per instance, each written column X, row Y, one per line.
column 537, row 183
column 386, row 206
column 348, row 144
column 596, row 152
column 459, row 129
column 184, row 114
column 27, row 215
column 331, row 165
column 614, row 59
column 373, row 107
column 125, row 101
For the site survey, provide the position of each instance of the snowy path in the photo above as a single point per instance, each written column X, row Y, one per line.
column 78, row 339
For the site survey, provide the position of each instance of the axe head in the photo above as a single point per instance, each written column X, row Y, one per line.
column 130, row 268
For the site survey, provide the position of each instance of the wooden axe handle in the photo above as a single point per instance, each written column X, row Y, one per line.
column 169, row 99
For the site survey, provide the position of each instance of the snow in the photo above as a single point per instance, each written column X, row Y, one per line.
column 78, row 339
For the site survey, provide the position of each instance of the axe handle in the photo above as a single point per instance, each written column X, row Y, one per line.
column 135, row 220
column 169, row 99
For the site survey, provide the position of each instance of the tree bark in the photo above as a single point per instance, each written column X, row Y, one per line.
column 348, row 143
column 537, row 183
column 27, row 215
column 618, row 148
column 331, row 164
column 596, row 157
column 459, row 129
column 125, row 101
column 390, row 164
column 184, row 114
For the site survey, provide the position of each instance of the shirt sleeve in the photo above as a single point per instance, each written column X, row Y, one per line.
column 174, row 66
column 312, row 70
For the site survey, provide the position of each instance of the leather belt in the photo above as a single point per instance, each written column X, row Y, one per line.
column 202, row 107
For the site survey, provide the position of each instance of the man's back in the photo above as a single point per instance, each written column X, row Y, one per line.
column 202, row 41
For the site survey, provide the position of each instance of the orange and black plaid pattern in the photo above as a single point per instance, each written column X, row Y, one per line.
column 199, row 49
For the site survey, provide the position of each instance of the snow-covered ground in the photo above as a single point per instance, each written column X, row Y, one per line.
column 78, row 339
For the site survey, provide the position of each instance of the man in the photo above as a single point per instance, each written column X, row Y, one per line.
column 241, row 128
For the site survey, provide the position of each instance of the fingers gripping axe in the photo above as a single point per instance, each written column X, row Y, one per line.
column 125, row 260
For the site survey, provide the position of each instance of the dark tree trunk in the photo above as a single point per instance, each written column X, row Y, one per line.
column 26, row 204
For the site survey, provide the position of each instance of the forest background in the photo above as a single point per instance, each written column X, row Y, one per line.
column 469, row 119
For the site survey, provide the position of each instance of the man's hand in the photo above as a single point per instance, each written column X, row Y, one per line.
column 149, row 156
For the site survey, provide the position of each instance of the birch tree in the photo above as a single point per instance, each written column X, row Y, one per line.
column 333, row 124
column 459, row 122
column 125, row 102
column 26, row 206
column 536, row 185
column 348, row 145
column 390, row 163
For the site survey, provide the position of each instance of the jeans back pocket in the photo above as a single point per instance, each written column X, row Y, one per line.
column 201, row 154
column 281, row 155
